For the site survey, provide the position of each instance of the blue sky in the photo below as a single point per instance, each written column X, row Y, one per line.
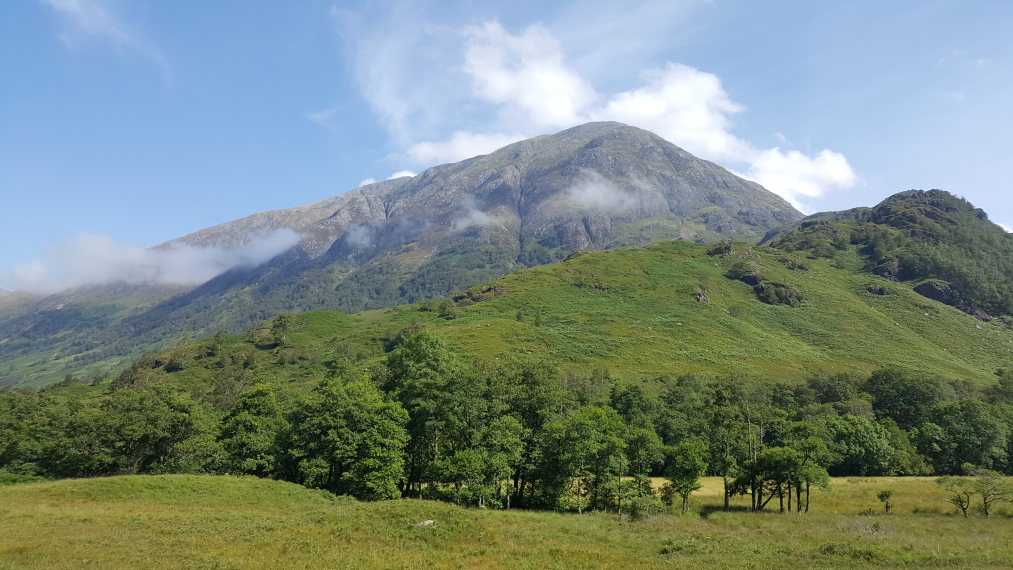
column 126, row 123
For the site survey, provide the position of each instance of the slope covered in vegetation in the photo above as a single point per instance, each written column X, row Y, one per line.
column 666, row 309
column 922, row 235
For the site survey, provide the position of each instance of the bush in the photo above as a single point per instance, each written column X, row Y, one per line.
column 639, row 508
column 746, row 271
column 778, row 294
column 722, row 248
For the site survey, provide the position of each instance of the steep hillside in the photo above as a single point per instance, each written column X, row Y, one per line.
column 663, row 309
column 938, row 242
column 595, row 186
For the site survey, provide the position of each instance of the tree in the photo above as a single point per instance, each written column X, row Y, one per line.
column 281, row 326
column 968, row 432
column 961, row 490
column 251, row 433
column 478, row 472
column 349, row 439
column 687, row 463
column 583, row 459
column 158, row 430
column 993, row 488
column 861, row 446
column 884, row 496
column 902, row 396
column 420, row 373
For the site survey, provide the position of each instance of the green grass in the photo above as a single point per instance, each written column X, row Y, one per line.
column 633, row 312
column 186, row 521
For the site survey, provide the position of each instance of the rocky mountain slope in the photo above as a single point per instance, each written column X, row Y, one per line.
column 596, row 186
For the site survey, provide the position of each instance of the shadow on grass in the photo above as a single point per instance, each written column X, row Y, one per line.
column 711, row 509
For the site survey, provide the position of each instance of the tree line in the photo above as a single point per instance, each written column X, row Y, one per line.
column 430, row 424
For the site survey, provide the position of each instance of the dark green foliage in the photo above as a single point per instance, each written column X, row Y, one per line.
column 861, row 446
column 778, row 294
column 584, row 459
column 902, row 396
column 687, row 463
column 253, row 431
column 749, row 272
column 963, row 432
column 723, row 248
column 350, row 439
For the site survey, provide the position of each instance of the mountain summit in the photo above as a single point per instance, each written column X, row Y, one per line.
column 591, row 187
column 576, row 189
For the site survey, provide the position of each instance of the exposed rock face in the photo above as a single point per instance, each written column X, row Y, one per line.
column 937, row 291
column 943, row 292
column 577, row 189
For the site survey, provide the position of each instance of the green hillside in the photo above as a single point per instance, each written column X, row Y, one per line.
column 921, row 235
column 185, row 521
column 664, row 309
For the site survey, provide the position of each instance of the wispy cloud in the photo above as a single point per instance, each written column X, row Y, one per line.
column 593, row 192
column 94, row 260
column 461, row 145
column 94, row 19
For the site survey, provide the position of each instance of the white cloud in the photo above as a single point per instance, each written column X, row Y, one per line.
column 471, row 216
column 522, row 85
column 527, row 74
column 401, row 174
column 684, row 105
column 359, row 236
column 462, row 144
column 1008, row 229
column 367, row 181
column 594, row 192
column 795, row 176
column 93, row 18
column 94, row 260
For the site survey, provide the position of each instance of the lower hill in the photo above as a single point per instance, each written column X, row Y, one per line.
column 661, row 310
column 188, row 521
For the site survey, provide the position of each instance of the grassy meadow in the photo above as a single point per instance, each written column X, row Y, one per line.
column 189, row 521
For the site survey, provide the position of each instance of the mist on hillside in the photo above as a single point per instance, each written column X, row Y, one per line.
column 89, row 259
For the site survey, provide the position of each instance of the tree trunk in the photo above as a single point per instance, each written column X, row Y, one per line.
column 807, row 496
column 685, row 503
column 725, row 479
column 798, row 497
column 780, row 498
column 789, row 497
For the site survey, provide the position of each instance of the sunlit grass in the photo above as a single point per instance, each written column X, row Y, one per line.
column 227, row 522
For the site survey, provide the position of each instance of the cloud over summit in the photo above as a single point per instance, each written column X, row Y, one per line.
column 516, row 85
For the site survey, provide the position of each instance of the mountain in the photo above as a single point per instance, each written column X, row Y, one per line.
column 596, row 186
column 663, row 309
column 937, row 241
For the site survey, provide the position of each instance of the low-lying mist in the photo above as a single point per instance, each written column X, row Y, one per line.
column 89, row 259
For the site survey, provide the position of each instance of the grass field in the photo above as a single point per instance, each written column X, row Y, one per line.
column 184, row 521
